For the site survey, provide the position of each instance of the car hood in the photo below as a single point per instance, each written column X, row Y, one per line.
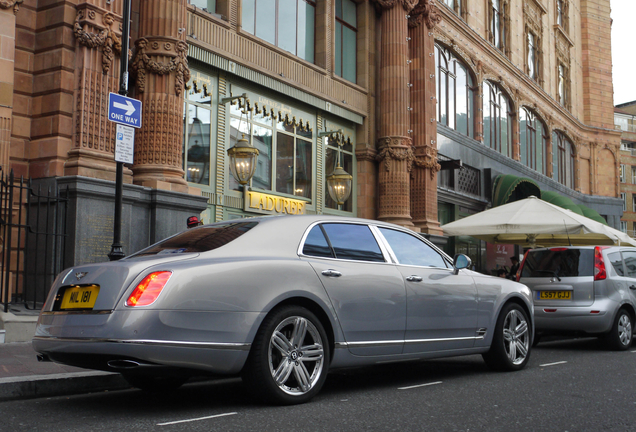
column 113, row 278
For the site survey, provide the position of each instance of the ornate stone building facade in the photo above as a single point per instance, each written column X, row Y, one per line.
column 398, row 92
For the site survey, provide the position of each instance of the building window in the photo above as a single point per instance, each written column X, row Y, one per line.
column 286, row 153
column 624, row 199
column 458, row 6
column 533, row 60
column 622, row 171
column 346, row 39
column 497, row 119
column 206, row 5
column 633, row 174
column 455, row 92
column 288, row 24
column 562, row 14
column 345, row 153
column 624, row 226
column 498, row 24
column 634, row 204
column 563, row 85
column 533, row 140
column 563, row 159
column 197, row 119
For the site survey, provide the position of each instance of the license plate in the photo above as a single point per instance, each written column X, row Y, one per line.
column 554, row 295
column 83, row 297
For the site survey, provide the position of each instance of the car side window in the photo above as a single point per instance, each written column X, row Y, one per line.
column 630, row 263
column 617, row 262
column 410, row 250
column 353, row 242
column 316, row 244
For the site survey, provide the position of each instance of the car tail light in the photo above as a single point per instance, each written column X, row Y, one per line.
column 599, row 264
column 523, row 261
column 558, row 249
column 149, row 289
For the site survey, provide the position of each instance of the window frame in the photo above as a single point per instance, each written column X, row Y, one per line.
column 561, row 162
column 532, row 123
column 496, row 92
column 340, row 23
column 499, row 30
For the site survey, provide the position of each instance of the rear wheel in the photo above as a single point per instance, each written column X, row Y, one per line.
column 510, row 348
column 154, row 384
column 289, row 359
column 620, row 337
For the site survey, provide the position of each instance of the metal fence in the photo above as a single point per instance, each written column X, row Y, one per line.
column 33, row 230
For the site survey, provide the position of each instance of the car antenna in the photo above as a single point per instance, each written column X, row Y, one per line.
column 566, row 232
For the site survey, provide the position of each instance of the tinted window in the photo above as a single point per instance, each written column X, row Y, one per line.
column 316, row 244
column 617, row 262
column 410, row 250
column 202, row 239
column 353, row 242
column 559, row 262
column 630, row 263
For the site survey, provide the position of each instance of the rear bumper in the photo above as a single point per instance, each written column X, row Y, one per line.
column 589, row 319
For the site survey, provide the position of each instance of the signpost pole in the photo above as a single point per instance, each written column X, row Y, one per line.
column 116, row 251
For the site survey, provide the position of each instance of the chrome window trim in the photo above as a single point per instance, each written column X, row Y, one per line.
column 181, row 344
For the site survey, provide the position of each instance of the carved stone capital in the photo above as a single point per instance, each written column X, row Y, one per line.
column 407, row 5
column 151, row 47
column 15, row 4
column 426, row 158
column 366, row 154
column 105, row 38
column 395, row 148
column 425, row 11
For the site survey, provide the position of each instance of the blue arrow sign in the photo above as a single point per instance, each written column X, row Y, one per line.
column 124, row 110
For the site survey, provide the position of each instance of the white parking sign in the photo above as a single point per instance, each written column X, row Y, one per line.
column 125, row 144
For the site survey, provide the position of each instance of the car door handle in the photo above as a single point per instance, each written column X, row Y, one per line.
column 331, row 273
column 414, row 278
column 632, row 287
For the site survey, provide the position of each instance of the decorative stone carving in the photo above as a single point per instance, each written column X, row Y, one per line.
column 367, row 154
column 396, row 148
column 142, row 62
column 426, row 11
column 389, row 4
column 105, row 39
column 15, row 4
column 427, row 160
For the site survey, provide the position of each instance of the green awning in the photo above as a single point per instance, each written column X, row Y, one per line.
column 509, row 188
column 561, row 201
column 592, row 214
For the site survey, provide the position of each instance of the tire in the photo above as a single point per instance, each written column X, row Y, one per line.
column 154, row 384
column 536, row 340
column 510, row 348
column 620, row 336
column 289, row 359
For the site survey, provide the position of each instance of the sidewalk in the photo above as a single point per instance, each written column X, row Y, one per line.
column 22, row 376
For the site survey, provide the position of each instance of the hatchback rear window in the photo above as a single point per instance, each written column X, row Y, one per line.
column 202, row 239
column 559, row 262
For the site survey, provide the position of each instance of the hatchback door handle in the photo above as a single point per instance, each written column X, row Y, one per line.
column 414, row 278
column 331, row 273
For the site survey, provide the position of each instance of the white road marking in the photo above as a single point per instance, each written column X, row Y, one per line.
column 634, row 351
column 196, row 419
column 552, row 364
column 419, row 385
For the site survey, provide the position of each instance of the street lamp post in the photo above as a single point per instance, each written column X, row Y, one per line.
column 116, row 252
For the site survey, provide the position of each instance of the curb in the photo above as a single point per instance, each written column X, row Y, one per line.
column 59, row 385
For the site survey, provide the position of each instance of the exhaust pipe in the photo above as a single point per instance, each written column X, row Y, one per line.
column 120, row 364
column 43, row 358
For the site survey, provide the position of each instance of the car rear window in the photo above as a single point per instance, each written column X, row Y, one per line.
column 559, row 262
column 202, row 239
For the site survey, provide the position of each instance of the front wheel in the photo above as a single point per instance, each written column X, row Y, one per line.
column 289, row 359
column 620, row 337
column 510, row 348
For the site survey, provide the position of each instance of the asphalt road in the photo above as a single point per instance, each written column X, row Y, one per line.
column 572, row 385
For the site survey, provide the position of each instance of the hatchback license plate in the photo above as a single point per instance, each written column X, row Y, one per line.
column 554, row 295
column 83, row 297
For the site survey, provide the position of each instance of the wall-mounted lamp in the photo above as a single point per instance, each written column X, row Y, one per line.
column 243, row 155
column 339, row 182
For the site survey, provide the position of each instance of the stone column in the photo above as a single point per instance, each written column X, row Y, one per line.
column 394, row 144
column 423, row 100
column 161, row 69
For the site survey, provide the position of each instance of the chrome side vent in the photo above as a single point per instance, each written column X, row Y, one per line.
column 481, row 333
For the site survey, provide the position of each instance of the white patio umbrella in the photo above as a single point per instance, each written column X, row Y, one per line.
column 532, row 222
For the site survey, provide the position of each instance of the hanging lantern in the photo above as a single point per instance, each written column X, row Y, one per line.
column 242, row 160
column 339, row 185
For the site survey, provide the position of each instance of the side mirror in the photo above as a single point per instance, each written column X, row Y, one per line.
column 460, row 261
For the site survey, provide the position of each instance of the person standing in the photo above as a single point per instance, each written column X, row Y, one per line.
column 515, row 267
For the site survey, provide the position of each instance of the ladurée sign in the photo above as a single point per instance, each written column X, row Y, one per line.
column 257, row 202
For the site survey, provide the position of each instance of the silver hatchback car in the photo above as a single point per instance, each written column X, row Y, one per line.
column 588, row 289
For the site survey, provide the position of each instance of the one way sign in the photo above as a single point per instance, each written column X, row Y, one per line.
column 124, row 110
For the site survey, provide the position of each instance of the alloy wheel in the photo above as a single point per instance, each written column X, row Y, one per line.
column 516, row 337
column 625, row 329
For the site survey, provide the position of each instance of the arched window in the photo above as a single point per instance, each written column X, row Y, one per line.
column 563, row 159
column 497, row 119
column 454, row 92
column 533, row 141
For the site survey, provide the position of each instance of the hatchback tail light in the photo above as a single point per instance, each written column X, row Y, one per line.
column 599, row 264
column 147, row 291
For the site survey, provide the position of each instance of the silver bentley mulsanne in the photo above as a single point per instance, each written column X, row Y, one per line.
column 281, row 301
